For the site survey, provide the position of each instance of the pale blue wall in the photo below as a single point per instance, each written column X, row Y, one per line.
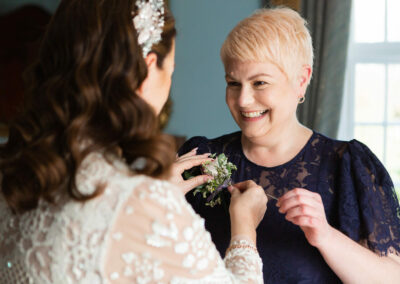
column 198, row 88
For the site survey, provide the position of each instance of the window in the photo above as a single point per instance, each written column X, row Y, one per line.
column 371, row 106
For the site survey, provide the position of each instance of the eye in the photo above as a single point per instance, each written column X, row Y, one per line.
column 233, row 84
column 258, row 84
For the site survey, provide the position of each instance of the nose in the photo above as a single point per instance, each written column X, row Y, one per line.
column 246, row 97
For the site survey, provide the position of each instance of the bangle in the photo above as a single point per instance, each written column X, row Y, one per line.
column 243, row 246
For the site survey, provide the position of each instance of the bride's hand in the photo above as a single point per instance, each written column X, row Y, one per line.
column 186, row 162
column 247, row 208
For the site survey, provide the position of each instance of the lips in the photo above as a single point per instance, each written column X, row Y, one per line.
column 253, row 114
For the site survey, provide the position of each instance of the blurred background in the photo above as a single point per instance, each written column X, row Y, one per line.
column 355, row 91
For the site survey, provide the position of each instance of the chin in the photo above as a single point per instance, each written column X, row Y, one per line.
column 250, row 133
column 254, row 132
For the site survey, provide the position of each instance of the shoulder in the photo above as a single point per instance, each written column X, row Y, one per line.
column 342, row 148
column 359, row 154
column 353, row 158
column 218, row 144
column 329, row 144
column 356, row 159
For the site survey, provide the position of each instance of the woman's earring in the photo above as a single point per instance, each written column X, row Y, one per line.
column 302, row 99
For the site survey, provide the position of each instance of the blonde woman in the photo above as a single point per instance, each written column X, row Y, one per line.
column 336, row 217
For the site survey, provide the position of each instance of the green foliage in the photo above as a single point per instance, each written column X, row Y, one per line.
column 221, row 170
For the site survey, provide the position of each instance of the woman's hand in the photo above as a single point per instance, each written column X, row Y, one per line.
column 305, row 209
column 351, row 262
column 247, row 208
column 186, row 162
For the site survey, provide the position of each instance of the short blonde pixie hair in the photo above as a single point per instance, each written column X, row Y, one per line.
column 278, row 35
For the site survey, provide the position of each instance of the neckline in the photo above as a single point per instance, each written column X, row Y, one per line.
column 284, row 164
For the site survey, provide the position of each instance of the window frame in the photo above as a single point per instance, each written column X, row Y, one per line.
column 366, row 53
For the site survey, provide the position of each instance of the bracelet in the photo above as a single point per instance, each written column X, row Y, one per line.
column 244, row 246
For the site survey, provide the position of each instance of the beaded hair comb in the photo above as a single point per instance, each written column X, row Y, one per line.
column 149, row 23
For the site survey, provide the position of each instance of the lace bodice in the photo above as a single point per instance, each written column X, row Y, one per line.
column 140, row 230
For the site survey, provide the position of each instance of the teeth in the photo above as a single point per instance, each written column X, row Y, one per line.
column 253, row 114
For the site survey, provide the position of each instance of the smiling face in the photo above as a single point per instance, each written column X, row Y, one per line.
column 260, row 97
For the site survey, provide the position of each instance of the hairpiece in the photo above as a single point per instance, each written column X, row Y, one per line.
column 149, row 23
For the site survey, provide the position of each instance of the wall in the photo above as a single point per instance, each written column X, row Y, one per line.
column 198, row 89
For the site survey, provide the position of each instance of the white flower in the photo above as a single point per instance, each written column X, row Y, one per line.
column 211, row 168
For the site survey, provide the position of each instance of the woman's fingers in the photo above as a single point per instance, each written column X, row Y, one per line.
column 306, row 221
column 303, row 210
column 299, row 201
column 186, row 162
column 242, row 186
column 234, row 191
column 194, row 157
column 189, row 184
column 306, row 210
column 299, row 191
column 189, row 162
column 301, row 206
column 248, row 205
column 190, row 153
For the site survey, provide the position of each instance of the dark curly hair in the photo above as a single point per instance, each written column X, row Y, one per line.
column 82, row 88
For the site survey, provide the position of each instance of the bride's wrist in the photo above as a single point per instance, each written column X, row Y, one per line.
column 247, row 238
column 244, row 231
column 242, row 242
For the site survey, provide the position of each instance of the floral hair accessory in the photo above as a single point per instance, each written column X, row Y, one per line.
column 221, row 170
column 149, row 23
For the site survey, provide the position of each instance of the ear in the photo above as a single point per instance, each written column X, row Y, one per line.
column 304, row 78
column 151, row 62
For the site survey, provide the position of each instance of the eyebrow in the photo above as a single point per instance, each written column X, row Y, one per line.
column 251, row 77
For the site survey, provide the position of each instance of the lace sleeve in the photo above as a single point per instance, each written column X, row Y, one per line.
column 370, row 210
column 158, row 237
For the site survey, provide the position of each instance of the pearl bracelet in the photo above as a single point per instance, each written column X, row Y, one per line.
column 245, row 246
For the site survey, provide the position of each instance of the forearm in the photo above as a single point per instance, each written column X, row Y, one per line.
column 354, row 263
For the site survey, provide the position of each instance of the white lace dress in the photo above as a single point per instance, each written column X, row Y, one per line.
column 140, row 230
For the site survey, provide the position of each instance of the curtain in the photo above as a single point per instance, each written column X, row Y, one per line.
column 328, row 22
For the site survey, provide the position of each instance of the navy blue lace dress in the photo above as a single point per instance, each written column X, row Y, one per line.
column 356, row 190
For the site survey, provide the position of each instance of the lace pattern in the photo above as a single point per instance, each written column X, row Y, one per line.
column 139, row 228
column 175, row 233
column 356, row 190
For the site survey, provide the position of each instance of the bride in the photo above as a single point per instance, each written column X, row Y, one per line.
column 90, row 191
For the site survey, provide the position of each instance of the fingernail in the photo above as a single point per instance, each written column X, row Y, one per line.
column 195, row 149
